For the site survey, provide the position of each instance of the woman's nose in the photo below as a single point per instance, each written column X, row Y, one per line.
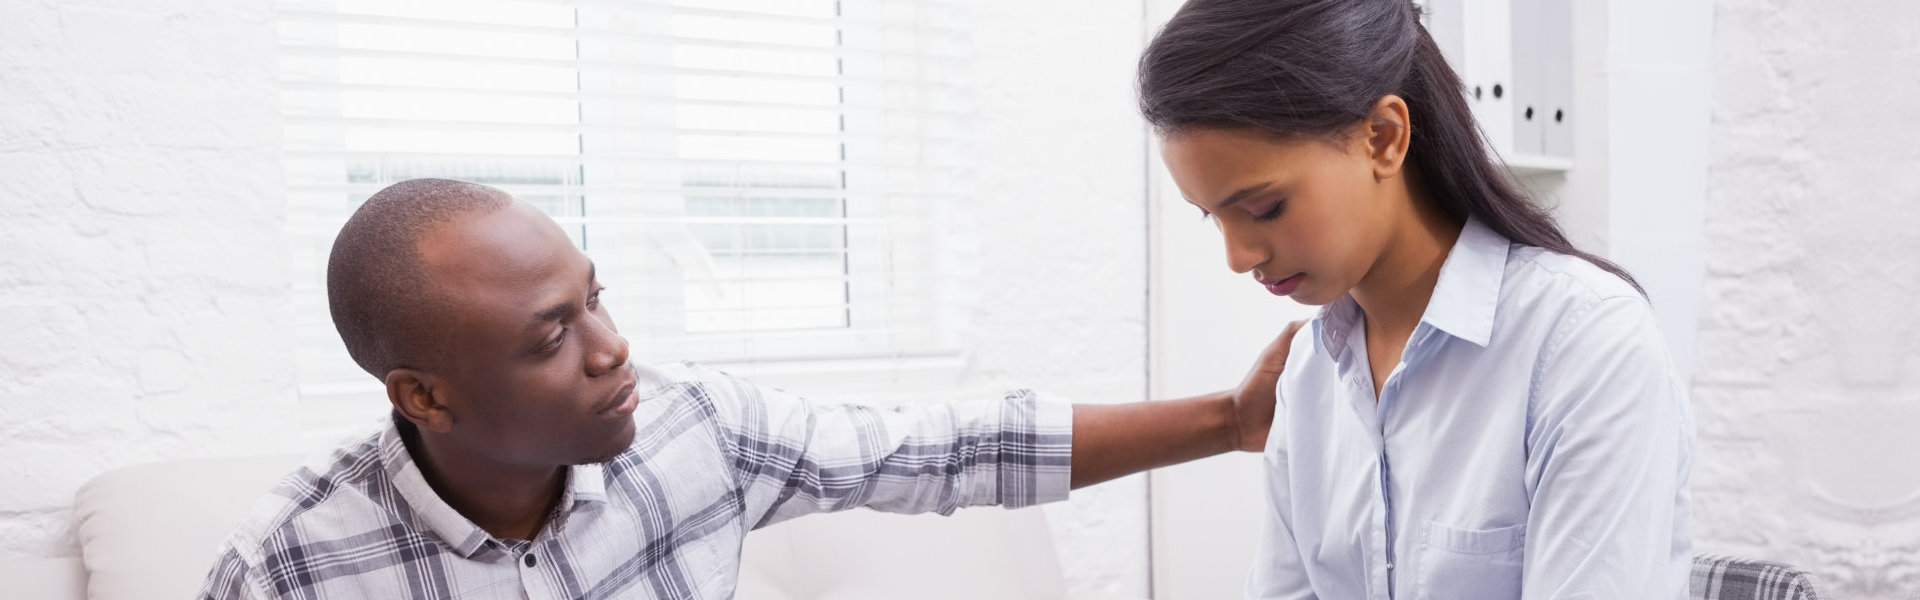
column 1244, row 252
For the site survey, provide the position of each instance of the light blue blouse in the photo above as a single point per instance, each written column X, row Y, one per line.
column 1533, row 442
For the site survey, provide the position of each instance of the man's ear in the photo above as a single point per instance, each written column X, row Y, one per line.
column 417, row 398
column 1388, row 130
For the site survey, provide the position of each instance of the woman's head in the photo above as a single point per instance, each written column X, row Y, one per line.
column 1310, row 218
column 1349, row 114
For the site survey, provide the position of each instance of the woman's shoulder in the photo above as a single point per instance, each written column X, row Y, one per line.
column 1542, row 279
column 1553, row 301
column 1575, row 277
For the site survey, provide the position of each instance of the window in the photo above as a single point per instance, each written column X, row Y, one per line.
column 757, row 180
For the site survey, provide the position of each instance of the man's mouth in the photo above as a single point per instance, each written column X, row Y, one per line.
column 622, row 403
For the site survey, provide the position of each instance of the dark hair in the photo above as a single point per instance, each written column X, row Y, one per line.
column 1310, row 68
column 382, row 299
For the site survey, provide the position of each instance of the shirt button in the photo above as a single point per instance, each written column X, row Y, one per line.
column 530, row 561
column 1389, row 565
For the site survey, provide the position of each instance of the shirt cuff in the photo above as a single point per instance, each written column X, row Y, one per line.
column 1036, row 449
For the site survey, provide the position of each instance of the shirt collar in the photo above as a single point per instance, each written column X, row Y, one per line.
column 1463, row 300
column 1468, row 291
column 585, row 483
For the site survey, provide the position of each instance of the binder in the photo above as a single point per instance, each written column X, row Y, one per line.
column 1529, row 67
column 1487, row 48
column 1556, row 55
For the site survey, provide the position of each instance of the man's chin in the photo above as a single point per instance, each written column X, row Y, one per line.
column 615, row 447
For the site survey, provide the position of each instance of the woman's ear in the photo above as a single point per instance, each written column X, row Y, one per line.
column 1388, row 131
column 419, row 400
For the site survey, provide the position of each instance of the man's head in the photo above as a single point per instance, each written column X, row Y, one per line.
column 484, row 322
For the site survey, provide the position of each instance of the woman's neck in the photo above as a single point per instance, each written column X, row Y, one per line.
column 1395, row 291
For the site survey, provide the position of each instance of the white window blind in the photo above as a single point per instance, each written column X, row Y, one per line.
column 756, row 180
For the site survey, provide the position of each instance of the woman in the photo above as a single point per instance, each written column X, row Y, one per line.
column 1480, row 410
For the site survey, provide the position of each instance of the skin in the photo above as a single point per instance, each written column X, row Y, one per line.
column 532, row 361
column 1340, row 211
column 537, row 359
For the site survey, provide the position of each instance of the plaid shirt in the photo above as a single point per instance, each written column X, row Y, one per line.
column 713, row 458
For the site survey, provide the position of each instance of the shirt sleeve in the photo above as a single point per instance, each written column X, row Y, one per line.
column 1278, row 572
column 793, row 457
column 1608, row 455
column 232, row 579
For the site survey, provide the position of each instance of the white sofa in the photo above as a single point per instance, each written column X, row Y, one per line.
column 150, row 531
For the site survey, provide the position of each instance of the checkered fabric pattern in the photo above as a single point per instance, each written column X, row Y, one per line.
column 1724, row 578
column 713, row 458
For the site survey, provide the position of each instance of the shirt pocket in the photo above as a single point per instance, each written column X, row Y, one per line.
column 1471, row 564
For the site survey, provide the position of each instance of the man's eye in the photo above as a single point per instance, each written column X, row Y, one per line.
column 555, row 342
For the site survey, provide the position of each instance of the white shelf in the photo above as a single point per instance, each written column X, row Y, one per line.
column 1535, row 164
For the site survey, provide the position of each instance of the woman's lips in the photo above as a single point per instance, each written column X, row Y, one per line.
column 1283, row 287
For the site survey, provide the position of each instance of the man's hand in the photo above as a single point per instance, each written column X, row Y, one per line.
column 1112, row 440
column 1253, row 401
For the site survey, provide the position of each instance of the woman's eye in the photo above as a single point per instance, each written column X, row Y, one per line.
column 1271, row 213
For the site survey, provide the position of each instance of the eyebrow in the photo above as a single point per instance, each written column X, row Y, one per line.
column 553, row 313
column 1242, row 195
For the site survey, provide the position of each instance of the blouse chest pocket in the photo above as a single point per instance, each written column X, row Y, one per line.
column 1478, row 564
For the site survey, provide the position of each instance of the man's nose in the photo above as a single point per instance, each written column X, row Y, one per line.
column 609, row 350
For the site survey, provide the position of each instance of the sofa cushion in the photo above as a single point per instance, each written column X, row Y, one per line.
column 867, row 555
column 152, row 531
column 43, row 579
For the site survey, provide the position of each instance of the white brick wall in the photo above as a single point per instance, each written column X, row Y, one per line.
column 143, row 284
column 144, row 274
column 1809, row 343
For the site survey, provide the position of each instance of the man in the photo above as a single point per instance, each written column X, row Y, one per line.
column 528, row 458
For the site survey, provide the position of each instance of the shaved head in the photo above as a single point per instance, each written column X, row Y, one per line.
column 383, row 299
column 484, row 321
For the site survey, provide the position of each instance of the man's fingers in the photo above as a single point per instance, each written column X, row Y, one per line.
column 1275, row 356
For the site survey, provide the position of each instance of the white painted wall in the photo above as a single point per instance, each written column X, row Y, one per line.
column 1061, row 232
column 144, row 276
column 1805, row 387
column 1658, row 71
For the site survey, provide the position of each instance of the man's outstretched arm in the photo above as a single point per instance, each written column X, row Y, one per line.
column 793, row 457
column 1116, row 440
